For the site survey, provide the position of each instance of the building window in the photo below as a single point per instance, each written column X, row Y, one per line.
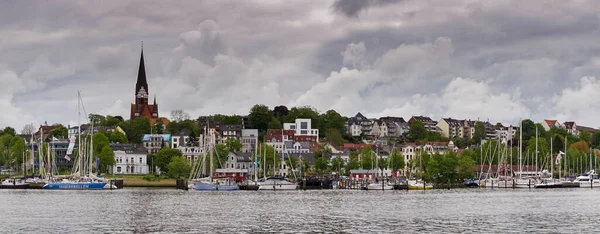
column 118, row 169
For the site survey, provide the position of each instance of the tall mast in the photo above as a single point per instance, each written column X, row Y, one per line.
column 255, row 154
column 92, row 150
column 566, row 161
column 551, row 158
column 536, row 149
column 265, row 160
column 210, row 149
column 79, row 159
column 520, row 148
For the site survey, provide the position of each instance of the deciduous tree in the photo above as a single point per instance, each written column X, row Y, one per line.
column 179, row 167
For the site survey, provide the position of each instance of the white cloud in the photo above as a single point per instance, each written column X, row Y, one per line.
column 579, row 103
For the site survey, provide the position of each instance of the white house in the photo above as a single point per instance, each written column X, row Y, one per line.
column 129, row 159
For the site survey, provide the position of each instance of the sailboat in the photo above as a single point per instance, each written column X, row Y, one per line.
column 379, row 184
column 277, row 182
column 82, row 178
column 209, row 183
column 419, row 184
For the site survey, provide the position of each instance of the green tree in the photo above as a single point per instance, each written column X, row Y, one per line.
column 100, row 141
column 97, row 119
column 382, row 163
column 479, row 132
column 337, row 164
column 304, row 112
column 353, row 164
column 117, row 137
column 595, row 141
column 158, row 127
column 259, row 117
column 9, row 131
column 111, row 121
column 179, row 167
column 275, row 124
column 107, row 158
column 292, row 164
column 321, row 164
column 233, row 145
column 396, row 161
column 417, row 131
column 334, row 137
column 17, row 149
column 60, row 132
column 221, row 152
column 586, row 136
column 136, row 128
column 366, row 160
column 466, row 167
column 164, row 157
column 332, row 120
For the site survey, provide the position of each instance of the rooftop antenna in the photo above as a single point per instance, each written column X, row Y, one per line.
column 142, row 45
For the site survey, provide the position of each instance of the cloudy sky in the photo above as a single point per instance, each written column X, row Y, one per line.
column 496, row 60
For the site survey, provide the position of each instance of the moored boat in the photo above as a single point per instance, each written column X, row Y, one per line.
column 418, row 185
column 14, row 183
column 206, row 184
column 277, row 183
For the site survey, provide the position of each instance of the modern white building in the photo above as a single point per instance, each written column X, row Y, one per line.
column 129, row 160
column 302, row 127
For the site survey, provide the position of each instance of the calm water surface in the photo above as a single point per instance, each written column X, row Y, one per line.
column 340, row 211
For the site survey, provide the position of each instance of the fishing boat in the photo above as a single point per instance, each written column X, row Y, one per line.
column 14, row 183
column 277, row 183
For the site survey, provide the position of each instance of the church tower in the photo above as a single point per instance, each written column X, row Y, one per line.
column 141, row 107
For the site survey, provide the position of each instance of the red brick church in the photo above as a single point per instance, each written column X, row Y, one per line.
column 141, row 107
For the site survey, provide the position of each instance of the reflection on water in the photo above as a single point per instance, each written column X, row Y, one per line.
column 160, row 210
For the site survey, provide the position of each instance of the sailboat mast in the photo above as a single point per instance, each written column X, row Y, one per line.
column 255, row 155
column 210, row 149
column 536, row 150
column 265, row 160
column 566, row 161
column 91, row 150
column 79, row 161
column 551, row 159
column 520, row 148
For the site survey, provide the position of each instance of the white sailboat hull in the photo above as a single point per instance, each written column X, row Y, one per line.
column 374, row 186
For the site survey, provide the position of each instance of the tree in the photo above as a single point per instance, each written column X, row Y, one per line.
column 220, row 154
column 479, row 132
column 275, row 124
column 158, row 127
column 28, row 129
column 280, row 112
column 107, row 158
column 111, row 121
column 179, row 167
column 581, row 146
column 366, row 161
column 417, row 131
column 334, row 137
column 17, row 149
column 466, row 167
column 100, row 141
column 595, row 142
column 332, row 120
column 259, row 117
column 9, row 131
column 96, row 119
column 304, row 112
column 558, row 144
column 586, row 136
column 164, row 157
column 139, row 127
column 353, row 164
column 233, row 145
column 60, row 132
column 396, row 161
column 337, row 164
column 179, row 115
column 117, row 137
column 321, row 164
column 542, row 147
column 382, row 163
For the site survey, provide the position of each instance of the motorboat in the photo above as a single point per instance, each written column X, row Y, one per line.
column 418, row 185
column 588, row 180
column 277, row 183
column 14, row 183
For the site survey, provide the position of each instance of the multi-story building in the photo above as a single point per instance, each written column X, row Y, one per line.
column 277, row 137
column 192, row 154
column 571, row 127
column 129, row 159
column 430, row 124
column 359, row 125
column 155, row 142
column 240, row 161
column 302, row 127
column 507, row 134
column 249, row 140
column 451, row 128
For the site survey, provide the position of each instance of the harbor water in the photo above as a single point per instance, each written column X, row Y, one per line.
column 341, row 211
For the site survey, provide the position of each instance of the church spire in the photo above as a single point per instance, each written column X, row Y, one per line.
column 141, row 79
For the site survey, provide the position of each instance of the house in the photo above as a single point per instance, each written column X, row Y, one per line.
column 155, row 142
column 276, row 137
column 507, row 134
column 452, row 128
column 182, row 138
column 238, row 166
column 363, row 174
column 227, row 131
column 129, row 159
column 376, row 128
column 430, row 124
column 249, row 140
column 393, row 126
column 548, row 124
column 571, row 127
column 359, row 125
column 191, row 153
column 291, row 147
column 302, row 127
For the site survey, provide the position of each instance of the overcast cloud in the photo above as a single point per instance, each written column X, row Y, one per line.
column 496, row 60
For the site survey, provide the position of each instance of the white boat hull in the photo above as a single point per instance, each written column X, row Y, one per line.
column 379, row 187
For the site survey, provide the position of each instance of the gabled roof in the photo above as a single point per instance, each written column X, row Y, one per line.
column 242, row 157
column 550, row 122
column 569, row 124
